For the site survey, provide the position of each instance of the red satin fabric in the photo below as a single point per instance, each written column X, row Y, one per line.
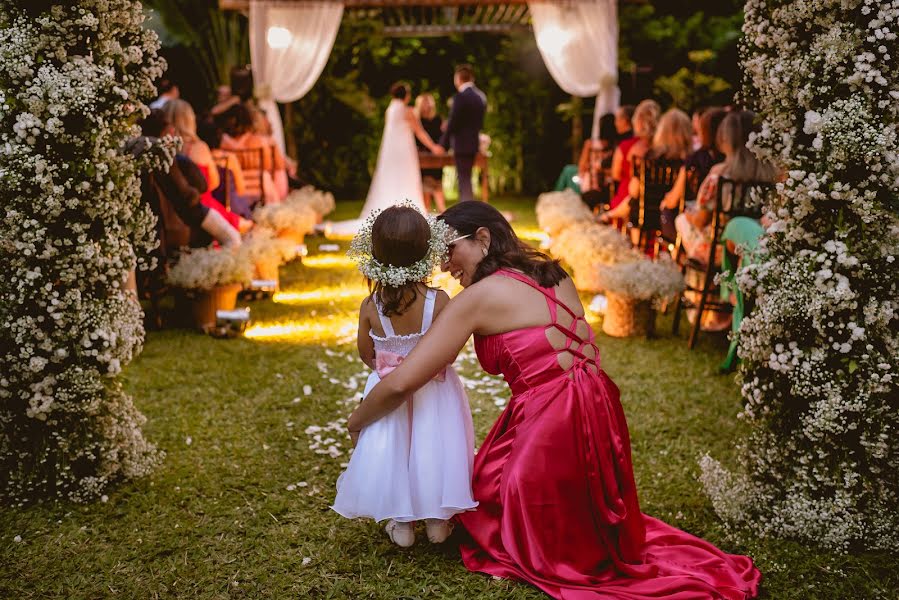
column 624, row 183
column 207, row 200
column 554, row 479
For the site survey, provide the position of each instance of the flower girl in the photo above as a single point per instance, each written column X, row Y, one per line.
column 415, row 463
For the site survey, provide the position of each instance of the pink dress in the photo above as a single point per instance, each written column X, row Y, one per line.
column 554, row 480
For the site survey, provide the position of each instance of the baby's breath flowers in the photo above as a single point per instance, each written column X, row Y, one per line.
column 73, row 77
column 392, row 275
column 820, row 374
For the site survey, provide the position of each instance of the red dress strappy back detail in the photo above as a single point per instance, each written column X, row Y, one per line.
column 554, row 478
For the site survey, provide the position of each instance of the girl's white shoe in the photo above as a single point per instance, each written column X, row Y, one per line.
column 401, row 534
column 438, row 530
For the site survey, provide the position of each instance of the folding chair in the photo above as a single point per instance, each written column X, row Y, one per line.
column 733, row 199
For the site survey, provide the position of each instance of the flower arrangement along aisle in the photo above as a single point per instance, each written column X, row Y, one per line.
column 557, row 211
column 212, row 277
column 266, row 252
column 587, row 246
column 632, row 289
column 72, row 77
column 820, row 350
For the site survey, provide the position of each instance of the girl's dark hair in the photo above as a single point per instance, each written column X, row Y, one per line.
column 607, row 129
column 399, row 90
column 239, row 120
column 506, row 250
column 400, row 237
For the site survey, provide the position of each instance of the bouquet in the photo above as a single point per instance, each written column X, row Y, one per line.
column 206, row 268
column 557, row 211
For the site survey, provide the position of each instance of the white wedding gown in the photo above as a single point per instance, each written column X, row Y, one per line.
column 397, row 174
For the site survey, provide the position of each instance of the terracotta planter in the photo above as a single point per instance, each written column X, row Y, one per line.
column 294, row 235
column 626, row 317
column 205, row 303
column 266, row 271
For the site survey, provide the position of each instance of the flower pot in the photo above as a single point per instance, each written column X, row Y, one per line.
column 627, row 317
column 266, row 270
column 294, row 235
column 205, row 303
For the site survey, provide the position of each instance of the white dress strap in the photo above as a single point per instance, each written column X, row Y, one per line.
column 386, row 325
column 427, row 316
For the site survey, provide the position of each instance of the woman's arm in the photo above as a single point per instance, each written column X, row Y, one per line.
column 420, row 132
column 438, row 348
column 617, row 164
column 673, row 197
column 364, row 343
column 204, row 157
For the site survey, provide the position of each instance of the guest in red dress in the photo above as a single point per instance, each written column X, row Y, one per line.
column 645, row 120
column 558, row 503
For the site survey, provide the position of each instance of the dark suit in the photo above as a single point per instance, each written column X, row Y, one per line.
column 462, row 130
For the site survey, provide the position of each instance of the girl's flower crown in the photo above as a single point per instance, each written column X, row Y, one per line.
column 392, row 275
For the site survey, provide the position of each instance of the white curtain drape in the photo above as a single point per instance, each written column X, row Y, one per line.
column 578, row 41
column 290, row 43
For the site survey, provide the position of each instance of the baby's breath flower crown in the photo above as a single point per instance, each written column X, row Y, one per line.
column 392, row 275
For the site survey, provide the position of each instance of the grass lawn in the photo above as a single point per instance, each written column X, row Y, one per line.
column 239, row 507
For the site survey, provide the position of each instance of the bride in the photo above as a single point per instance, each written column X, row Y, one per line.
column 397, row 174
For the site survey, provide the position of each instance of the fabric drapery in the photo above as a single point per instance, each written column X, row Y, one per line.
column 579, row 44
column 290, row 43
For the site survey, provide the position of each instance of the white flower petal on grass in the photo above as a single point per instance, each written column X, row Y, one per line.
column 306, row 560
column 188, row 440
column 17, row 539
column 291, row 487
column 307, row 390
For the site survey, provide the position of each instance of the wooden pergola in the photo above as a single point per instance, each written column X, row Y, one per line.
column 430, row 18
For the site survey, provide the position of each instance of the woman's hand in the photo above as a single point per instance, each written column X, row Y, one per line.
column 354, row 437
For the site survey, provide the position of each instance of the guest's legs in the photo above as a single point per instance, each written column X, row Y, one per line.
column 440, row 200
column 464, row 164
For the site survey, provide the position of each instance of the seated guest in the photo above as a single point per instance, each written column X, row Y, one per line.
column 698, row 165
column 283, row 167
column 740, row 164
column 671, row 141
column 167, row 91
column 623, row 122
column 181, row 115
column 174, row 197
column 431, row 179
column 644, row 122
column 595, row 164
column 241, row 135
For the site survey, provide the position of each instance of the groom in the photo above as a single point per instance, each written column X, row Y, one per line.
column 464, row 126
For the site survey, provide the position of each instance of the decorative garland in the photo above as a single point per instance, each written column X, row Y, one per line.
column 72, row 228
column 820, row 373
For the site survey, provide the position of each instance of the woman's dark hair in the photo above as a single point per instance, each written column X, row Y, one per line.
column 238, row 120
column 709, row 121
column 154, row 124
column 506, row 250
column 399, row 90
column 400, row 237
column 607, row 129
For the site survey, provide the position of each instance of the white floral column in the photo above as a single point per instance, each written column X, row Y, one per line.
column 820, row 376
column 72, row 79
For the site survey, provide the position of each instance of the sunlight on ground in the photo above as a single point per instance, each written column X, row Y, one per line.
column 329, row 261
column 321, row 295
column 332, row 328
column 531, row 234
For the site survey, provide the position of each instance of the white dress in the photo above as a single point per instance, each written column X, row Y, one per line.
column 416, row 462
column 397, row 175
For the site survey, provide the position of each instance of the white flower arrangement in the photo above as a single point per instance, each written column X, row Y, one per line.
column 320, row 202
column 587, row 246
column 392, row 275
column 557, row 211
column 820, row 371
column 72, row 80
column 206, row 268
column 643, row 279
column 266, row 251
column 292, row 217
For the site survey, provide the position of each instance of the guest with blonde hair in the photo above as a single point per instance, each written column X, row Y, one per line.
column 645, row 121
column 183, row 118
column 431, row 179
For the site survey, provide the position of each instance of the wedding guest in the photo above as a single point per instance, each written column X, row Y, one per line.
column 623, row 122
column 241, row 135
column 174, row 196
column 694, row 171
column 167, row 91
column 645, row 120
column 182, row 117
column 431, row 179
column 283, row 167
column 557, row 500
column 740, row 164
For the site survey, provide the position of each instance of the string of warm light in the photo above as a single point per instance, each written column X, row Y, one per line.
column 329, row 329
column 329, row 261
column 320, row 295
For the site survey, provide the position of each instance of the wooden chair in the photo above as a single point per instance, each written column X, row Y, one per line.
column 733, row 199
column 252, row 165
column 656, row 176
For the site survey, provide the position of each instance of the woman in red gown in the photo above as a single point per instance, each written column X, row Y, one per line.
column 558, row 505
